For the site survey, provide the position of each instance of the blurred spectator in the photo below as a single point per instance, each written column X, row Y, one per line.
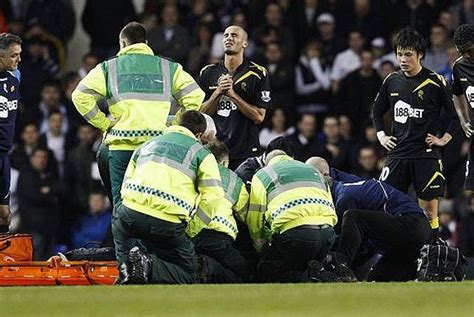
column 364, row 15
column 281, row 74
column 331, row 44
column 39, row 194
column 413, row 13
column 51, row 101
column 55, row 139
column 22, row 151
column 278, row 127
column 336, row 149
column 304, row 138
column 200, row 12
column 348, row 60
column 5, row 15
column 436, row 57
column 357, row 92
column 170, row 39
column 463, row 12
column 89, row 61
column 149, row 21
column 200, row 54
column 385, row 69
column 71, row 80
column 345, row 127
column 36, row 68
column 56, row 17
column 103, row 20
column 81, row 167
column 367, row 163
column 446, row 19
column 447, row 71
column 305, row 21
column 312, row 81
column 272, row 30
column 94, row 226
column 377, row 46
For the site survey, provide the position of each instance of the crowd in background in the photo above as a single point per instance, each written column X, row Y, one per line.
column 326, row 60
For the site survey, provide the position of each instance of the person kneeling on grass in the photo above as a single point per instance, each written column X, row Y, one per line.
column 293, row 201
column 215, row 237
column 162, row 182
column 377, row 211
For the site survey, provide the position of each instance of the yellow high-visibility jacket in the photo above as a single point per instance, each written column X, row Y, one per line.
column 139, row 89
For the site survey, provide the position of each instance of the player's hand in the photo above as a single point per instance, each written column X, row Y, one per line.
column 388, row 142
column 224, row 83
column 434, row 140
column 467, row 128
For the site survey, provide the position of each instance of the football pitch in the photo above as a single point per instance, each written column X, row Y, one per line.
column 360, row 299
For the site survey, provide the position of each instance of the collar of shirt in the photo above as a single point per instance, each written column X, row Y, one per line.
column 279, row 158
column 244, row 65
column 180, row 129
column 138, row 48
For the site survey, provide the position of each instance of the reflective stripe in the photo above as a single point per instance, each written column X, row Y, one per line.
column 134, row 133
column 226, row 223
column 178, row 166
column 273, row 175
column 203, row 216
column 283, row 188
column 158, row 193
column 186, row 90
column 256, row 207
column 88, row 91
column 298, row 202
column 191, row 153
column 209, row 182
column 113, row 84
column 91, row 114
column 241, row 210
column 116, row 96
column 231, row 187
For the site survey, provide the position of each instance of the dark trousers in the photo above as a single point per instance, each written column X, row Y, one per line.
column 102, row 158
column 118, row 162
column 286, row 259
column 231, row 266
column 171, row 251
column 401, row 236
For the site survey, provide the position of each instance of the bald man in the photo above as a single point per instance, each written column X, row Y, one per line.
column 237, row 97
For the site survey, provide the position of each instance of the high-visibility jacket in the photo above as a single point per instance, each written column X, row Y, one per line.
column 139, row 89
column 236, row 200
column 166, row 175
column 287, row 194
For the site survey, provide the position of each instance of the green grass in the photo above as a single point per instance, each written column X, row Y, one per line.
column 362, row 299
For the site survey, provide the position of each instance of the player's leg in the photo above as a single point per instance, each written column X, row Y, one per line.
column 429, row 184
column 396, row 173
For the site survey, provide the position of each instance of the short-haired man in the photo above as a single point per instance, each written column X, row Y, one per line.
column 10, row 49
column 415, row 97
column 463, row 90
column 237, row 97
column 139, row 88
column 163, row 181
column 291, row 204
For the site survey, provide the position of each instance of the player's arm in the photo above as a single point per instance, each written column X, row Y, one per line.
column 460, row 103
column 209, row 106
column 252, row 112
column 380, row 107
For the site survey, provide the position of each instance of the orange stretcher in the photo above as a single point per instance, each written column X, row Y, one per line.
column 57, row 271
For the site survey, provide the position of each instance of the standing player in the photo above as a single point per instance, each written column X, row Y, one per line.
column 10, row 49
column 237, row 96
column 415, row 96
column 463, row 89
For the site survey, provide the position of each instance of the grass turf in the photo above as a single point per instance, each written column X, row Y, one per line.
column 361, row 299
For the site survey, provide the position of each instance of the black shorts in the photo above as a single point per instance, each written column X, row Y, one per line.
column 5, row 174
column 469, row 183
column 426, row 175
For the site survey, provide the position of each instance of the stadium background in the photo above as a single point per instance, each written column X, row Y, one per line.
column 320, row 89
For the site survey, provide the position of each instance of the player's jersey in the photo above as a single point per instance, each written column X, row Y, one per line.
column 9, row 97
column 415, row 104
column 372, row 194
column 463, row 82
column 251, row 83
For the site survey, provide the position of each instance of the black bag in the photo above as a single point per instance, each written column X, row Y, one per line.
column 441, row 263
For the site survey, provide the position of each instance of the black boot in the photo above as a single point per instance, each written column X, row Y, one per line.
column 317, row 273
column 338, row 265
column 124, row 274
column 140, row 270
